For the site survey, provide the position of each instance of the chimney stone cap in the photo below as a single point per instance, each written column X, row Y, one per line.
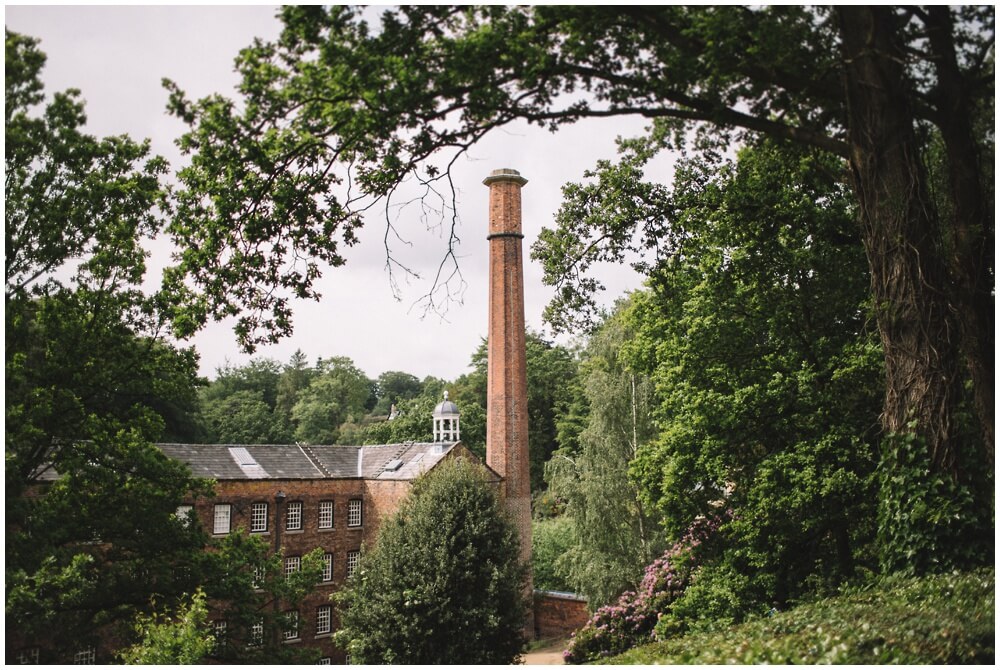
column 505, row 174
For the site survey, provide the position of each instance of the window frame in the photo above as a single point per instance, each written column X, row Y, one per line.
column 184, row 514
column 28, row 655
column 327, row 575
column 289, row 633
column 353, row 557
column 85, row 656
column 258, row 520
column 298, row 515
column 215, row 518
column 325, row 505
column 256, row 638
column 290, row 561
column 355, row 513
column 220, row 629
column 324, row 612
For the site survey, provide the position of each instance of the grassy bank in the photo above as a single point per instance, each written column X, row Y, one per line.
column 940, row 619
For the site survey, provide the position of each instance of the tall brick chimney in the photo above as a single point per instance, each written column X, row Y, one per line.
column 507, row 381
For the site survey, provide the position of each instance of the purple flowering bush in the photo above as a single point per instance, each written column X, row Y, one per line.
column 630, row 621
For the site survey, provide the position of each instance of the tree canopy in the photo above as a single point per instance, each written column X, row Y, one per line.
column 338, row 112
column 90, row 382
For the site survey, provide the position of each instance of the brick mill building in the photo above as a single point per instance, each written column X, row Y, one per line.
column 300, row 498
column 303, row 497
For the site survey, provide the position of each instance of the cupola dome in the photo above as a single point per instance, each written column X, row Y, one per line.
column 446, row 421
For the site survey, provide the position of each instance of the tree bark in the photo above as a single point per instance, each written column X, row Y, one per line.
column 901, row 234
column 971, row 220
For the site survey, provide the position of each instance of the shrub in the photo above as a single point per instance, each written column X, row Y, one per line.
column 631, row 620
column 943, row 619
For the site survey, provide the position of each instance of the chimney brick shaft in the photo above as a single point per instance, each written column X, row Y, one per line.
column 507, row 381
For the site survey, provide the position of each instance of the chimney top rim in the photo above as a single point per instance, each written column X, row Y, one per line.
column 505, row 174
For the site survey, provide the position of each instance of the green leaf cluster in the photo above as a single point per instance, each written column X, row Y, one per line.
column 183, row 641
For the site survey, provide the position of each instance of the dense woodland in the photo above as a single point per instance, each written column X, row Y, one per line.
column 799, row 399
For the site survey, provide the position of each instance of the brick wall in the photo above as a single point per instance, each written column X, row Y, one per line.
column 339, row 540
column 558, row 614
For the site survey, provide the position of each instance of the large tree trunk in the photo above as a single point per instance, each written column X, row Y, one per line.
column 900, row 231
column 971, row 220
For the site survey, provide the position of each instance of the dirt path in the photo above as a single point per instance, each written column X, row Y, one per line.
column 548, row 654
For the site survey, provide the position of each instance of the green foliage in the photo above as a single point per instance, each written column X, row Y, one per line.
column 442, row 583
column 338, row 393
column 615, row 534
column 941, row 619
column 921, row 512
column 550, row 539
column 249, row 579
column 89, row 382
column 242, row 417
column 185, row 640
column 393, row 387
column 412, row 422
column 631, row 620
column 551, row 373
column 768, row 381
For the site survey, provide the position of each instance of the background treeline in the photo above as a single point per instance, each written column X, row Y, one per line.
column 334, row 402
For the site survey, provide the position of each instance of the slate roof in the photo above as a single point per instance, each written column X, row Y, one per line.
column 284, row 461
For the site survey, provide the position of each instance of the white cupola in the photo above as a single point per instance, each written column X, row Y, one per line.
column 446, row 421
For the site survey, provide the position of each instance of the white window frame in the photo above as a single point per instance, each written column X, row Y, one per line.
column 222, row 511
column 355, row 515
column 86, row 656
column 325, row 514
column 29, row 656
column 292, row 564
column 219, row 628
column 258, row 517
column 352, row 561
column 184, row 514
column 324, row 619
column 258, row 577
column 291, row 631
column 327, row 567
column 257, row 633
column 293, row 515
column 324, row 660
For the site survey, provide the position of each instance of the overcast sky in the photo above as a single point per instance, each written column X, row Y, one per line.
column 117, row 56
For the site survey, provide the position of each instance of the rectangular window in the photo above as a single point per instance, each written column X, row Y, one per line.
column 354, row 513
column 219, row 632
column 183, row 514
column 86, row 656
column 293, row 516
column 291, row 631
column 220, row 523
column 258, row 577
column 257, row 633
column 323, row 618
column 352, row 561
column 258, row 517
column 28, row 656
column 327, row 567
column 326, row 514
column 292, row 564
